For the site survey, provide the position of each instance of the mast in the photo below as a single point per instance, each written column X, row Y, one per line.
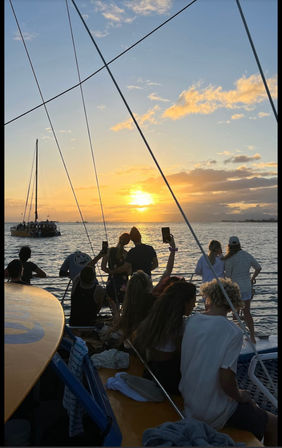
column 36, row 180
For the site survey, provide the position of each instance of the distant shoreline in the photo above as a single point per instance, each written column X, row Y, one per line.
column 157, row 222
column 250, row 220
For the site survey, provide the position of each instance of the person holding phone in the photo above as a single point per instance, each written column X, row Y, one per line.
column 140, row 295
column 116, row 284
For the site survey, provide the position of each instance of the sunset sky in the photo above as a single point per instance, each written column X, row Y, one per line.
column 194, row 88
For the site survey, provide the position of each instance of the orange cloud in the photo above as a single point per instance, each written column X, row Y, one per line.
column 248, row 91
column 149, row 116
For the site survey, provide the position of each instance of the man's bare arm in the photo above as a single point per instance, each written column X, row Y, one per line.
column 155, row 264
column 228, row 382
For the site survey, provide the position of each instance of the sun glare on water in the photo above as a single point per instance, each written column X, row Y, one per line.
column 141, row 199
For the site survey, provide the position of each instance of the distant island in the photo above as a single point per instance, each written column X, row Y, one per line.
column 250, row 220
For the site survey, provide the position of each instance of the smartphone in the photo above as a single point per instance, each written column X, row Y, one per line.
column 104, row 247
column 166, row 234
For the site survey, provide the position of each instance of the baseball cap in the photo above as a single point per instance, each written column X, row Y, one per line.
column 233, row 241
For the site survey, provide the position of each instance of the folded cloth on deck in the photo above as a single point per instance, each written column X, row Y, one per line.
column 117, row 383
column 70, row 401
column 186, row 432
column 111, row 359
column 147, row 388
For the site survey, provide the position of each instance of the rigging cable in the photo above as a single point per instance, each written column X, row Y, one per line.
column 101, row 68
column 86, row 119
column 242, row 325
column 257, row 59
column 51, row 125
column 27, row 197
column 32, row 196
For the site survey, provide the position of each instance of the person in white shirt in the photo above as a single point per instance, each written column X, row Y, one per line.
column 210, row 348
column 215, row 257
column 238, row 263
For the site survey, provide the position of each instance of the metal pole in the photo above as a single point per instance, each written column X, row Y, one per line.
column 36, row 181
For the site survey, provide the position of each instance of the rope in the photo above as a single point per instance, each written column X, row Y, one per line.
column 257, row 59
column 51, row 125
column 32, row 195
column 156, row 379
column 86, row 119
column 243, row 327
column 101, row 68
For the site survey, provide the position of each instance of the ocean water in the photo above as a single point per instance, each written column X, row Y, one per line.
column 259, row 239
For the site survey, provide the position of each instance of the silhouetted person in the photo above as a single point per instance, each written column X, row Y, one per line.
column 30, row 269
column 141, row 257
column 14, row 272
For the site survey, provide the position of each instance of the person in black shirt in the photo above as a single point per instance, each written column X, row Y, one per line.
column 87, row 297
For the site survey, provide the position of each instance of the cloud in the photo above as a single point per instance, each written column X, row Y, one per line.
column 149, row 117
column 100, row 34
column 154, row 97
column 224, row 122
column 248, row 91
column 101, row 107
column 242, row 159
column 147, row 82
column 263, row 114
column 224, row 153
column 26, row 36
column 112, row 12
column 145, row 7
column 237, row 116
column 131, row 87
column 208, row 194
column 266, row 164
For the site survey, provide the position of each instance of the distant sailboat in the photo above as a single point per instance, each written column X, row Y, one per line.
column 35, row 229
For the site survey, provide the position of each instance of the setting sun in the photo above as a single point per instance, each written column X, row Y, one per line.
column 140, row 198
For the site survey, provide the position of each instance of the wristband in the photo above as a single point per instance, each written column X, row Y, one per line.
column 173, row 249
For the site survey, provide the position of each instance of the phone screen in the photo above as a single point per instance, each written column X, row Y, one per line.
column 166, row 234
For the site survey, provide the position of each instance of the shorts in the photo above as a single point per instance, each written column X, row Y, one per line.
column 250, row 417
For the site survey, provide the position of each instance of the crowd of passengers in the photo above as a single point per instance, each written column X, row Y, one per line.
column 191, row 353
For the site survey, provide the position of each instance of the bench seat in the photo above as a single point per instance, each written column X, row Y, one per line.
column 135, row 417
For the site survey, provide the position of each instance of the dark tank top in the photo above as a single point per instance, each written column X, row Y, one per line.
column 83, row 307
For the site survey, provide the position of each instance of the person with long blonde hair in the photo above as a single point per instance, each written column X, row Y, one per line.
column 140, row 295
column 137, row 303
column 159, row 336
column 215, row 258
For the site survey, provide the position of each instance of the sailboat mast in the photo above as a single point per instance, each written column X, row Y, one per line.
column 36, row 181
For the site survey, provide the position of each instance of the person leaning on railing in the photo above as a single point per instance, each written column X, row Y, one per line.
column 237, row 264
